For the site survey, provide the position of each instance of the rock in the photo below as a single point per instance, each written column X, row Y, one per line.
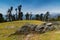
column 49, row 27
column 32, row 27
column 28, row 28
column 40, row 28
column 49, row 24
column 56, row 23
column 25, row 29
column 44, row 27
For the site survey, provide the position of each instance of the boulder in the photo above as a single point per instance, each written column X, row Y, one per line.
column 25, row 29
column 49, row 27
column 30, row 28
column 44, row 27
column 40, row 28
column 49, row 24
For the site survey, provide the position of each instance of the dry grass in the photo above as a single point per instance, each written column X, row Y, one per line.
column 10, row 27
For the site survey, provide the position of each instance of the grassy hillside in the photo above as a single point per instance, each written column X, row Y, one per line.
column 10, row 27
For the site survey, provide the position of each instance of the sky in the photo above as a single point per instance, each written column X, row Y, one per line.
column 34, row 6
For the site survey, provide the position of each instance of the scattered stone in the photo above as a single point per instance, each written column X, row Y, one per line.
column 49, row 24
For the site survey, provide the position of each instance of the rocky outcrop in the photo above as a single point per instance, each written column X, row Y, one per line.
column 44, row 27
column 28, row 28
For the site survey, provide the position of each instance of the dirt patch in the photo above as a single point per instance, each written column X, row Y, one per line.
column 28, row 36
column 57, row 32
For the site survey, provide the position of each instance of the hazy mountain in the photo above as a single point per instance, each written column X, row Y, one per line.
column 54, row 15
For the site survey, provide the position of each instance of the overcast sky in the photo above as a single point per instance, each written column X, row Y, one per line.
column 34, row 6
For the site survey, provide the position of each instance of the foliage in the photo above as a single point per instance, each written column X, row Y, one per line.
column 1, row 18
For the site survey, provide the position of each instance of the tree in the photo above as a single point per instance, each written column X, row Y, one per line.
column 27, row 16
column 19, row 8
column 13, row 17
column 46, row 16
column 20, row 14
column 16, row 14
column 9, row 15
column 1, row 18
column 58, row 18
column 30, row 16
column 11, row 8
column 37, row 16
column 41, row 16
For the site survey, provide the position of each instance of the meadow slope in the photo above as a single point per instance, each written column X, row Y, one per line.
column 8, row 28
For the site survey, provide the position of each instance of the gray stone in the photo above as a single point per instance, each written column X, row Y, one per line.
column 49, row 27
column 28, row 28
column 49, row 24
column 25, row 29
column 44, row 27
column 32, row 27
column 40, row 28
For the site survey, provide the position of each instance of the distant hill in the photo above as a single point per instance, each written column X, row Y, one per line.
column 54, row 15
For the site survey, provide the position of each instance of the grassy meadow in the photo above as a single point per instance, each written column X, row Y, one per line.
column 8, row 28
